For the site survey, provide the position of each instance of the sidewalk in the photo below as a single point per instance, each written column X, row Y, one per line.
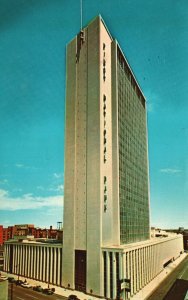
column 58, row 290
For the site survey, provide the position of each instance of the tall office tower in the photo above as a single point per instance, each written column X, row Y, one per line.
column 106, row 199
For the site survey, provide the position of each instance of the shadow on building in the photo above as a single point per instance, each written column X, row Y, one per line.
column 178, row 291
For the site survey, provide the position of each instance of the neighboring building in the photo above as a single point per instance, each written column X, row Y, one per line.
column 29, row 229
column 185, row 240
column 10, row 232
column 1, row 235
column 106, row 198
column 5, row 234
column 182, row 231
column 1, row 257
column 47, row 233
column 157, row 232
column 22, row 229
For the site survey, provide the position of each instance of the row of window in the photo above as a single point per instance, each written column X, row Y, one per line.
column 134, row 210
column 127, row 73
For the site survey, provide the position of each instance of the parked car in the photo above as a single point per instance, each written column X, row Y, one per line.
column 73, row 297
column 48, row 291
column 19, row 282
column 38, row 288
column 3, row 277
column 26, row 285
column 11, row 279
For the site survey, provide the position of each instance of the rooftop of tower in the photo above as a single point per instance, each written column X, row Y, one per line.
column 123, row 55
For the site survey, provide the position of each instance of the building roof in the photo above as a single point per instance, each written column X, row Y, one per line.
column 39, row 241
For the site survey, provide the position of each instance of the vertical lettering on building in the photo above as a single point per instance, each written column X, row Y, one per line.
column 105, row 194
column 104, row 62
column 104, row 131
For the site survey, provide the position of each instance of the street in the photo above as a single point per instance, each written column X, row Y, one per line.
column 181, row 272
column 20, row 293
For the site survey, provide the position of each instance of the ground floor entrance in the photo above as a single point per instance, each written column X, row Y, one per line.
column 80, row 270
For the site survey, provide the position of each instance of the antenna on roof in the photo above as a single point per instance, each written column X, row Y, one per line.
column 81, row 13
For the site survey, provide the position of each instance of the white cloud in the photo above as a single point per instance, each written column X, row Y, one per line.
column 170, row 171
column 150, row 107
column 28, row 201
column 58, row 175
column 40, row 187
column 152, row 100
column 3, row 193
column 59, row 188
column 19, row 165
column 4, row 181
column 17, row 190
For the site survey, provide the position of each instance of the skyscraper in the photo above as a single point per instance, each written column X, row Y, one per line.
column 106, row 247
column 106, row 200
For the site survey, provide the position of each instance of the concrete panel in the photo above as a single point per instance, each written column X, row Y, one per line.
column 80, row 141
column 70, row 149
column 93, row 163
column 106, row 135
column 115, row 148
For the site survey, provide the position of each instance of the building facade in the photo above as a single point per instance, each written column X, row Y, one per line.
column 137, row 264
column 35, row 260
column 106, row 199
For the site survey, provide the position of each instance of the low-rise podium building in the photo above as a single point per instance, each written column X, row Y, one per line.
column 36, row 259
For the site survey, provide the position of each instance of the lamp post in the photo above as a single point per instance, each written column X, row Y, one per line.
column 49, row 268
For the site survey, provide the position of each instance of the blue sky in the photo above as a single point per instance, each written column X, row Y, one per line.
column 33, row 36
